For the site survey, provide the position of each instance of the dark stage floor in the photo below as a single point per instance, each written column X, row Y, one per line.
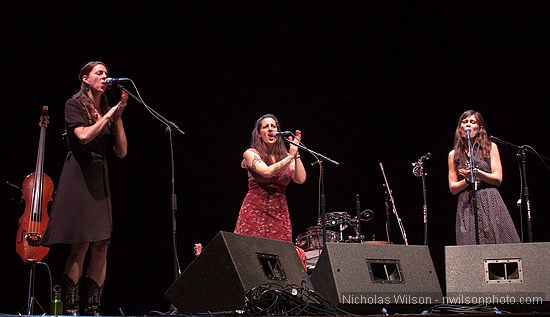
column 532, row 313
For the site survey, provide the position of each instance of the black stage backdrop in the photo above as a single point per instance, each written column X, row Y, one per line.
column 366, row 83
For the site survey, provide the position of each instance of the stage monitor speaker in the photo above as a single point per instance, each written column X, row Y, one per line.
column 498, row 273
column 230, row 265
column 363, row 278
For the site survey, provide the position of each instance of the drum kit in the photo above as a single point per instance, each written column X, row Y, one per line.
column 312, row 242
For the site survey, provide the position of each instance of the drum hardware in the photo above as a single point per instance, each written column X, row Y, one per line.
column 355, row 239
column 312, row 243
column 358, row 235
column 339, row 219
column 342, row 220
column 312, row 239
column 365, row 215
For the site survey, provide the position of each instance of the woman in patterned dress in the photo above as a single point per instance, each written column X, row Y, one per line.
column 493, row 219
column 270, row 167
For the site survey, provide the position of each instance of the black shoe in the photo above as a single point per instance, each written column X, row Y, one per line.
column 93, row 298
column 70, row 296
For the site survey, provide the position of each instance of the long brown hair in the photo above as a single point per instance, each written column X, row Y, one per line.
column 82, row 94
column 279, row 150
column 481, row 142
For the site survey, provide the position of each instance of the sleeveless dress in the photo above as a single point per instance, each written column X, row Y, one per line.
column 264, row 211
column 494, row 222
column 81, row 211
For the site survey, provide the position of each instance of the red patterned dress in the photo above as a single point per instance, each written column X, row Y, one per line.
column 264, row 212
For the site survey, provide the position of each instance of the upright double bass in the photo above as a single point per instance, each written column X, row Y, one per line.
column 37, row 191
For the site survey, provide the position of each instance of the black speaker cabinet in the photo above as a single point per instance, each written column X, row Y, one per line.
column 228, row 267
column 363, row 278
column 498, row 273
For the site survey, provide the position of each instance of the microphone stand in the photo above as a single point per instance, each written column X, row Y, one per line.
column 322, row 204
column 418, row 171
column 473, row 184
column 169, row 127
column 522, row 156
column 523, row 174
column 403, row 233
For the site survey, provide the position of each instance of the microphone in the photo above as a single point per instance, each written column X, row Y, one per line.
column 425, row 157
column 418, row 166
column 467, row 130
column 113, row 81
column 282, row 133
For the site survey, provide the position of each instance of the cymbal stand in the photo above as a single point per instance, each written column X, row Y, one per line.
column 399, row 222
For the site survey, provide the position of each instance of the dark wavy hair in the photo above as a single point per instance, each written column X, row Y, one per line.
column 82, row 94
column 481, row 142
column 279, row 151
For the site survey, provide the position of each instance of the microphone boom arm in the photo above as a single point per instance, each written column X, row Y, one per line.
column 171, row 125
column 524, row 195
column 317, row 155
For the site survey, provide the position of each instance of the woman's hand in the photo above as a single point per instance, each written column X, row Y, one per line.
column 111, row 114
column 121, row 105
column 293, row 149
column 299, row 172
column 465, row 172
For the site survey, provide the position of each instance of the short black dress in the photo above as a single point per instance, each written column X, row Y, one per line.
column 81, row 211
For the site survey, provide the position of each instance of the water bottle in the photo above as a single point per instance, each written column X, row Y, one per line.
column 56, row 306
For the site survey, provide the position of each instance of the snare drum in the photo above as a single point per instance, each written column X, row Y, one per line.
column 312, row 243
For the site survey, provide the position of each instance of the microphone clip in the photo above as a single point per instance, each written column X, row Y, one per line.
column 418, row 166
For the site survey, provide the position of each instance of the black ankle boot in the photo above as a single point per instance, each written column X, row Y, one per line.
column 93, row 298
column 70, row 297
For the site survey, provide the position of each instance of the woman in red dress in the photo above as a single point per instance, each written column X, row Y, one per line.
column 270, row 167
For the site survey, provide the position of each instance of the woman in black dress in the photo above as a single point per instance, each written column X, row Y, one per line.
column 81, row 212
column 494, row 224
